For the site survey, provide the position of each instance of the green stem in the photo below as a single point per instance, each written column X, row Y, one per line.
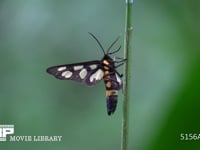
column 127, row 72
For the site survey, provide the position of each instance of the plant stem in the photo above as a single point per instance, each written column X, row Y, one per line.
column 127, row 73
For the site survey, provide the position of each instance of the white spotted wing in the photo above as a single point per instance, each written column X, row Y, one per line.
column 88, row 73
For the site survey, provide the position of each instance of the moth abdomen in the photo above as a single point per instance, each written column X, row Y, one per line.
column 111, row 97
column 111, row 103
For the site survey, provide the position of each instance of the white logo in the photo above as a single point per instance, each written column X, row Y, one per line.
column 5, row 130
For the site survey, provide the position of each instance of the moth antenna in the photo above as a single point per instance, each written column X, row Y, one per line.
column 113, row 44
column 115, row 51
column 98, row 42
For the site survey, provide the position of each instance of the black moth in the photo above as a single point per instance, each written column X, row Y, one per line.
column 91, row 72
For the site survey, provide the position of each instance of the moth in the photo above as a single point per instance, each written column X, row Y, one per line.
column 91, row 72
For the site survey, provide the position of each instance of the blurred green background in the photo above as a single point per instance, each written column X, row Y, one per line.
column 37, row 34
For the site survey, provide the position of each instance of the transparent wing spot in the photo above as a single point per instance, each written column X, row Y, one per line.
column 83, row 73
column 92, row 67
column 78, row 67
column 98, row 75
column 61, row 68
column 119, row 80
column 67, row 74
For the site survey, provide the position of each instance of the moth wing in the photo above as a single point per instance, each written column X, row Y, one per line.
column 119, row 80
column 88, row 73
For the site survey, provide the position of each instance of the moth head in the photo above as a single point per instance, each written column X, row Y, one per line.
column 108, row 59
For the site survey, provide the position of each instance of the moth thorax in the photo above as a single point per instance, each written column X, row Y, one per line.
column 106, row 62
column 106, row 75
column 106, row 68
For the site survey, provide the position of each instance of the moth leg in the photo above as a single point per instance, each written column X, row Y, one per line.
column 113, row 72
column 120, row 60
column 121, row 75
column 119, row 65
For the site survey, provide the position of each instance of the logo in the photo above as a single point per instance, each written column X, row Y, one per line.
column 6, row 130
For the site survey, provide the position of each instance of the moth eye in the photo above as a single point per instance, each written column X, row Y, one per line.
column 61, row 68
column 83, row 73
column 67, row 74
